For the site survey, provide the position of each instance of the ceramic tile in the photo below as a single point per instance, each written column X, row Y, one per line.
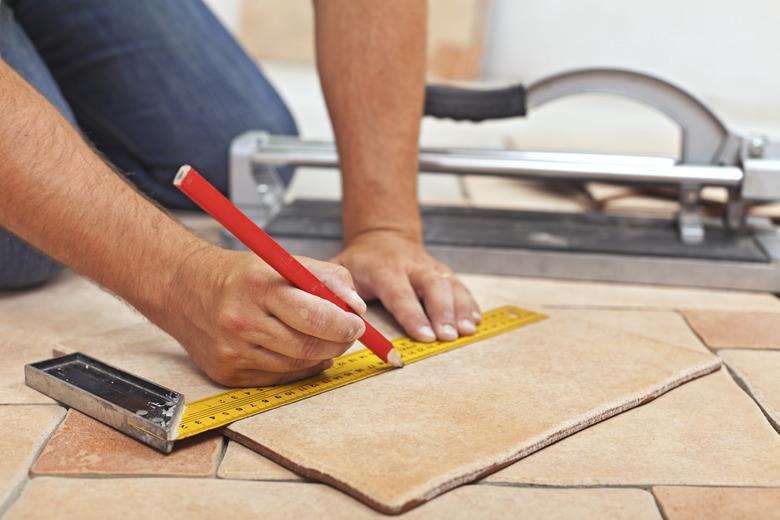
column 241, row 463
column 86, row 447
column 185, row 499
column 734, row 329
column 498, row 290
column 759, row 372
column 23, row 430
column 17, row 348
column 565, row 374
column 67, row 307
column 713, row 503
column 707, row 432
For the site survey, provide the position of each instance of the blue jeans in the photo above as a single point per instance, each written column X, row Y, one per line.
column 151, row 84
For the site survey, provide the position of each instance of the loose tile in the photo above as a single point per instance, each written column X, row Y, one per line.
column 185, row 499
column 241, row 463
column 565, row 374
column 498, row 290
column 713, row 503
column 707, row 432
column 17, row 348
column 67, row 307
column 84, row 446
column 23, row 430
column 734, row 329
column 759, row 371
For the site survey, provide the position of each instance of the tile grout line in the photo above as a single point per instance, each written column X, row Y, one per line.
column 743, row 385
column 17, row 490
column 659, row 505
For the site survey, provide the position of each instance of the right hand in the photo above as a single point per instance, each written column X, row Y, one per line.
column 245, row 325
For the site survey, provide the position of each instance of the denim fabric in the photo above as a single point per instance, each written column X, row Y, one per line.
column 153, row 84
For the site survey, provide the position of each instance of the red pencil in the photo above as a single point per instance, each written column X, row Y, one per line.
column 210, row 200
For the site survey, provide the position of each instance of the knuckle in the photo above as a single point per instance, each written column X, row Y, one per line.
column 233, row 320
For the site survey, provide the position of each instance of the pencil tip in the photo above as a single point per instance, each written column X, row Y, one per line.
column 394, row 358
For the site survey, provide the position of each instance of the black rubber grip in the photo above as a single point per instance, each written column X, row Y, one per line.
column 464, row 104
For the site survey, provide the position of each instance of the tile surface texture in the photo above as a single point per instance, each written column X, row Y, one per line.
column 84, row 446
column 241, row 463
column 759, row 372
column 186, row 499
column 17, row 348
column 707, row 432
column 23, row 430
column 515, row 194
column 721, row 329
column 713, row 503
column 565, row 374
column 530, row 292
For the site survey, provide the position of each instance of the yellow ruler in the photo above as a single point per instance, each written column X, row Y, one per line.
column 225, row 408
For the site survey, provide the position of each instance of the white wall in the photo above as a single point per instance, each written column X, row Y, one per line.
column 728, row 51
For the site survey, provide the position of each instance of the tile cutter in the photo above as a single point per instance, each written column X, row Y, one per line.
column 733, row 251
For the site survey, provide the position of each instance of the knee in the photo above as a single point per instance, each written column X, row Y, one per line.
column 22, row 266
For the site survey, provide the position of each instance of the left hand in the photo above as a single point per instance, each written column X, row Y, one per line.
column 396, row 269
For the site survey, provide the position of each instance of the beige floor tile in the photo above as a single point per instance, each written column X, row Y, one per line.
column 190, row 499
column 713, row 503
column 502, row 193
column 17, row 348
column 498, row 290
column 86, row 447
column 565, row 374
column 69, row 306
column 23, row 430
column 707, row 432
column 734, row 329
column 759, row 372
column 664, row 326
column 241, row 463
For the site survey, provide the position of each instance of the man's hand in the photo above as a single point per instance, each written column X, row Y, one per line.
column 244, row 325
column 399, row 272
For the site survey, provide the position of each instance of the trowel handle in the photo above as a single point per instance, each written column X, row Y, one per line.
column 468, row 104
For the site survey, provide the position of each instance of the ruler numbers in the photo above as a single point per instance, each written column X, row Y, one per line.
column 222, row 409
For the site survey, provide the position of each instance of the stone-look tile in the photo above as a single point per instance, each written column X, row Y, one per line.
column 84, row 446
column 17, row 348
column 503, row 193
column 146, row 351
column 548, row 380
column 733, row 329
column 759, row 372
column 492, row 291
column 186, row 499
column 67, row 307
column 713, row 503
column 23, row 430
column 241, row 463
column 707, row 432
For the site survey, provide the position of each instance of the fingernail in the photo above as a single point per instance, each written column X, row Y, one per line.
column 477, row 316
column 427, row 333
column 467, row 326
column 448, row 332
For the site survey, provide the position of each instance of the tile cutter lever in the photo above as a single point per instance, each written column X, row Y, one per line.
column 732, row 252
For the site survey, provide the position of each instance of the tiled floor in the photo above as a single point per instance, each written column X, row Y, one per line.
column 710, row 449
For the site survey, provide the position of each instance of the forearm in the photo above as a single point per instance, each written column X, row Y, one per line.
column 61, row 197
column 371, row 60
